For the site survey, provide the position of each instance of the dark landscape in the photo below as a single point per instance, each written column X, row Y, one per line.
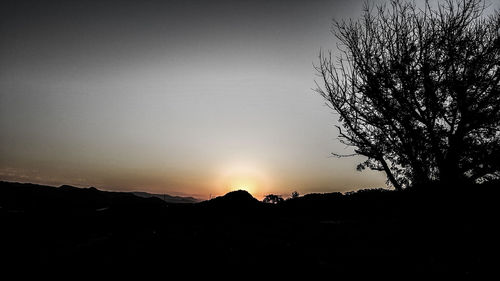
column 370, row 231
column 369, row 131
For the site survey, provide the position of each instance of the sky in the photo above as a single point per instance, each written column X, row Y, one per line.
column 181, row 97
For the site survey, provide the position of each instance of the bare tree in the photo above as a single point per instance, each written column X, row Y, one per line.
column 417, row 90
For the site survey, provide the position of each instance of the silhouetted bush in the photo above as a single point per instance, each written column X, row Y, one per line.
column 273, row 199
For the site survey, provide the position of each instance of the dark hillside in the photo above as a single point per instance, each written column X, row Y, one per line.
column 420, row 231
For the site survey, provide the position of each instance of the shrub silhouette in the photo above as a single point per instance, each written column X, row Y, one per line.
column 273, row 199
column 418, row 91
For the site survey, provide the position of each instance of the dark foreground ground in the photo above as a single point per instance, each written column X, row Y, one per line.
column 425, row 231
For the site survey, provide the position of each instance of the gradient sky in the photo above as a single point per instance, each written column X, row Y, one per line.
column 179, row 97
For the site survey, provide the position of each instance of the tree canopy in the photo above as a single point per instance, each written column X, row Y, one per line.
column 417, row 90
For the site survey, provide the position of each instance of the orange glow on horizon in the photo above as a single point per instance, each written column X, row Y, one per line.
column 243, row 177
column 243, row 185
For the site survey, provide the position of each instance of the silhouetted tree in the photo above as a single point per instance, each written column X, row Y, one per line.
column 295, row 194
column 417, row 90
column 273, row 199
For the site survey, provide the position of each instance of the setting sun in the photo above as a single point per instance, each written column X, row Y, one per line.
column 243, row 184
column 243, row 177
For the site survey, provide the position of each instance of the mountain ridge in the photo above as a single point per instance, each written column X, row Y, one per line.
column 168, row 198
column 141, row 194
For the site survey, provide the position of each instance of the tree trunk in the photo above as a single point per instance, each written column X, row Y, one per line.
column 389, row 174
column 450, row 171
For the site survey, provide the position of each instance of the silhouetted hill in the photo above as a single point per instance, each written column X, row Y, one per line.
column 25, row 197
column 233, row 199
column 168, row 198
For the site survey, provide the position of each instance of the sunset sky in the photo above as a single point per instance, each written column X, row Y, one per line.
column 180, row 97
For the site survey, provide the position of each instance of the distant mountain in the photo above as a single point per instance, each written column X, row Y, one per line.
column 26, row 197
column 168, row 198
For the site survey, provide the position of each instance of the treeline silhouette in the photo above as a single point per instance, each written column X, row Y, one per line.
column 416, row 231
